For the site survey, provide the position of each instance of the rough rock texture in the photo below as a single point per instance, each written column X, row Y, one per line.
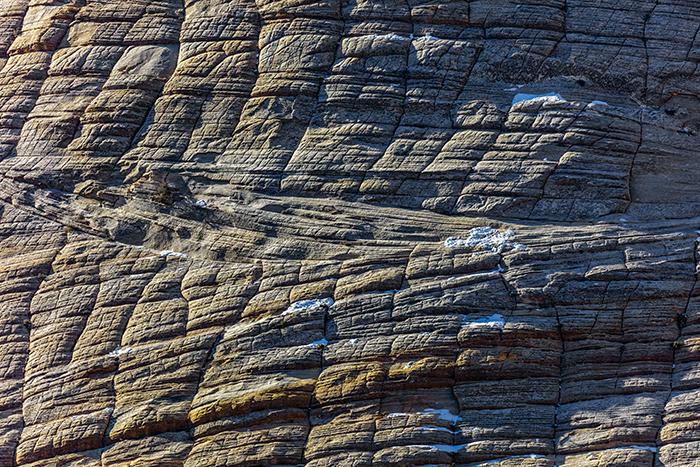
column 349, row 232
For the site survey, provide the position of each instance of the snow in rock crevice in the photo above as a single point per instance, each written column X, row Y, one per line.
column 444, row 414
column 119, row 351
column 549, row 98
column 173, row 254
column 427, row 37
column 485, row 238
column 440, row 414
column 497, row 270
column 392, row 36
column 496, row 321
column 441, row 429
column 304, row 305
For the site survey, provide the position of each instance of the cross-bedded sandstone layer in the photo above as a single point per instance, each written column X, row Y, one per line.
column 349, row 232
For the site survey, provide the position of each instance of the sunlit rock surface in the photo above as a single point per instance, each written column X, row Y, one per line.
column 349, row 233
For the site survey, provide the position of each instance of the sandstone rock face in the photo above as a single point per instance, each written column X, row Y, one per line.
column 349, row 232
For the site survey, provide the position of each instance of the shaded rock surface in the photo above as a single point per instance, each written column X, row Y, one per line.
column 349, row 232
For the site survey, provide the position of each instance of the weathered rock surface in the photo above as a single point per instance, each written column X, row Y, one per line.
column 349, row 232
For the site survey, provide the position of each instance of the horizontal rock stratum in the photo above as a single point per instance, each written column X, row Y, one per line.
column 349, row 233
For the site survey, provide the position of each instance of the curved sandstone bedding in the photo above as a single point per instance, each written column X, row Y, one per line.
column 349, row 232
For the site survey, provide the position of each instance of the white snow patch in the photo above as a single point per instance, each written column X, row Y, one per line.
column 391, row 36
column 352, row 341
column 427, row 37
column 550, row 97
column 200, row 203
column 485, row 238
column 319, row 344
column 493, row 321
column 497, row 270
column 438, row 428
column 397, row 414
column 518, row 246
column 172, row 253
column 119, row 351
column 444, row 414
column 304, row 305
column 598, row 104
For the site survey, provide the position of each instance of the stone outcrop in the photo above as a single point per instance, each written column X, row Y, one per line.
column 349, row 233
